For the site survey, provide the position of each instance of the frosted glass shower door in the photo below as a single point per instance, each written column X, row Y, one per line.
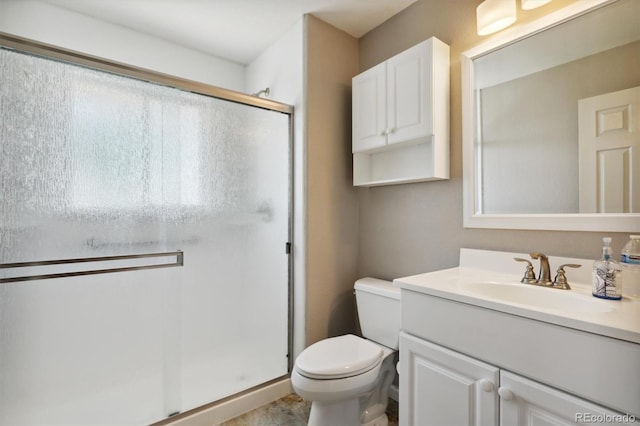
column 81, row 178
column 235, row 296
column 94, row 164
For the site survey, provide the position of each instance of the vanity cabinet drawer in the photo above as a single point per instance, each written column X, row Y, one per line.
column 594, row 367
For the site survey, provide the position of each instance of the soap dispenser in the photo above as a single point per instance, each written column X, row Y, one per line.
column 606, row 284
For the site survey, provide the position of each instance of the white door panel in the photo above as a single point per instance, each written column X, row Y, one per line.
column 609, row 152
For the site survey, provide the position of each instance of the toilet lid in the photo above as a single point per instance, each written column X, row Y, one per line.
column 338, row 357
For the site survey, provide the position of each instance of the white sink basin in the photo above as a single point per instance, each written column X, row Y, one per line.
column 491, row 280
column 536, row 296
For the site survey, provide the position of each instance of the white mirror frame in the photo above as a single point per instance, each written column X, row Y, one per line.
column 472, row 217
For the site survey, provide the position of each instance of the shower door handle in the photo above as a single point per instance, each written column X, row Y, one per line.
column 179, row 261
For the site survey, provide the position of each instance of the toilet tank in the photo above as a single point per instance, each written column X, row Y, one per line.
column 378, row 304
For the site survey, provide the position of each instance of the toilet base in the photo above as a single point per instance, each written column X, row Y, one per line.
column 344, row 413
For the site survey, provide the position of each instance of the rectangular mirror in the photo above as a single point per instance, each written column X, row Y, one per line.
column 551, row 122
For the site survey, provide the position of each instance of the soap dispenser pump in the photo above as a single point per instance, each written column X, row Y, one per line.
column 606, row 284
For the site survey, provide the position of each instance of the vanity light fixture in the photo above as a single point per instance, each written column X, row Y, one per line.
column 532, row 4
column 494, row 15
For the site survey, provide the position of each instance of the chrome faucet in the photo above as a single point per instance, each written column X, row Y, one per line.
column 544, row 277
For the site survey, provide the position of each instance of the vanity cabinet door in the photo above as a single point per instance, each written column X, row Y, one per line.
column 369, row 93
column 440, row 387
column 524, row 402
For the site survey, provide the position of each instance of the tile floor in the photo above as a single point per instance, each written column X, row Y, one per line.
column 291, row 410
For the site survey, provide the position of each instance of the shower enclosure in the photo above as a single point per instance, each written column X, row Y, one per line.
column 144, row 234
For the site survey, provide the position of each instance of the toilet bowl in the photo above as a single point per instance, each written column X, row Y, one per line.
column 347, row 378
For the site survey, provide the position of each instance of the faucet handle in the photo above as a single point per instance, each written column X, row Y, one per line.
column 529, row 275
column 560, row 281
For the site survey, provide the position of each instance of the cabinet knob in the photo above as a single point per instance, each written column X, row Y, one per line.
column 505, row 393
column 383, row 133
column 485, row 385
column 392, row 130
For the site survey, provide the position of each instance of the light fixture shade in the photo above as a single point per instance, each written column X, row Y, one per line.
column 532, row 4
column 494, row 15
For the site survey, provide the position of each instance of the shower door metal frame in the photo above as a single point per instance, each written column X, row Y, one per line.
column 48, row 51
column 61, row 54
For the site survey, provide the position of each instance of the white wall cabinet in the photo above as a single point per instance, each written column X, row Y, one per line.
column 401, row 118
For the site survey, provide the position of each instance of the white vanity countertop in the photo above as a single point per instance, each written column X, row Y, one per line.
column 498, row 273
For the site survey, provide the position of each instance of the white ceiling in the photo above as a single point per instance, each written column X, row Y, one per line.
column 236, row 30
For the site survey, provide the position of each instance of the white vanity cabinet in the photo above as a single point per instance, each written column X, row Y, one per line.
column 478, row 347
column 401, row 118
column 444, row 387
column 452, row 352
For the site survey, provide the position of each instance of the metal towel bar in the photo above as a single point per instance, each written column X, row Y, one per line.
column 179, row 255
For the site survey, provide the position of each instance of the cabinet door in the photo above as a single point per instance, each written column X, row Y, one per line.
column 440, row 387
column 409, row 114
column 369, row 94
column 525, row 402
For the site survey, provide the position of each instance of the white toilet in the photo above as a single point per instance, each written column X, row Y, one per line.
column 347, row 378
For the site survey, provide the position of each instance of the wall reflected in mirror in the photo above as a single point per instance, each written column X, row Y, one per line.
column 558, row 118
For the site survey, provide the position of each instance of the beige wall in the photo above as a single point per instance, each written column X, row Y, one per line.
column 332, row 213
column 414, row 228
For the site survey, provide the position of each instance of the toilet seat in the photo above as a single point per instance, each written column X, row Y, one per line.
column 339, row 357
